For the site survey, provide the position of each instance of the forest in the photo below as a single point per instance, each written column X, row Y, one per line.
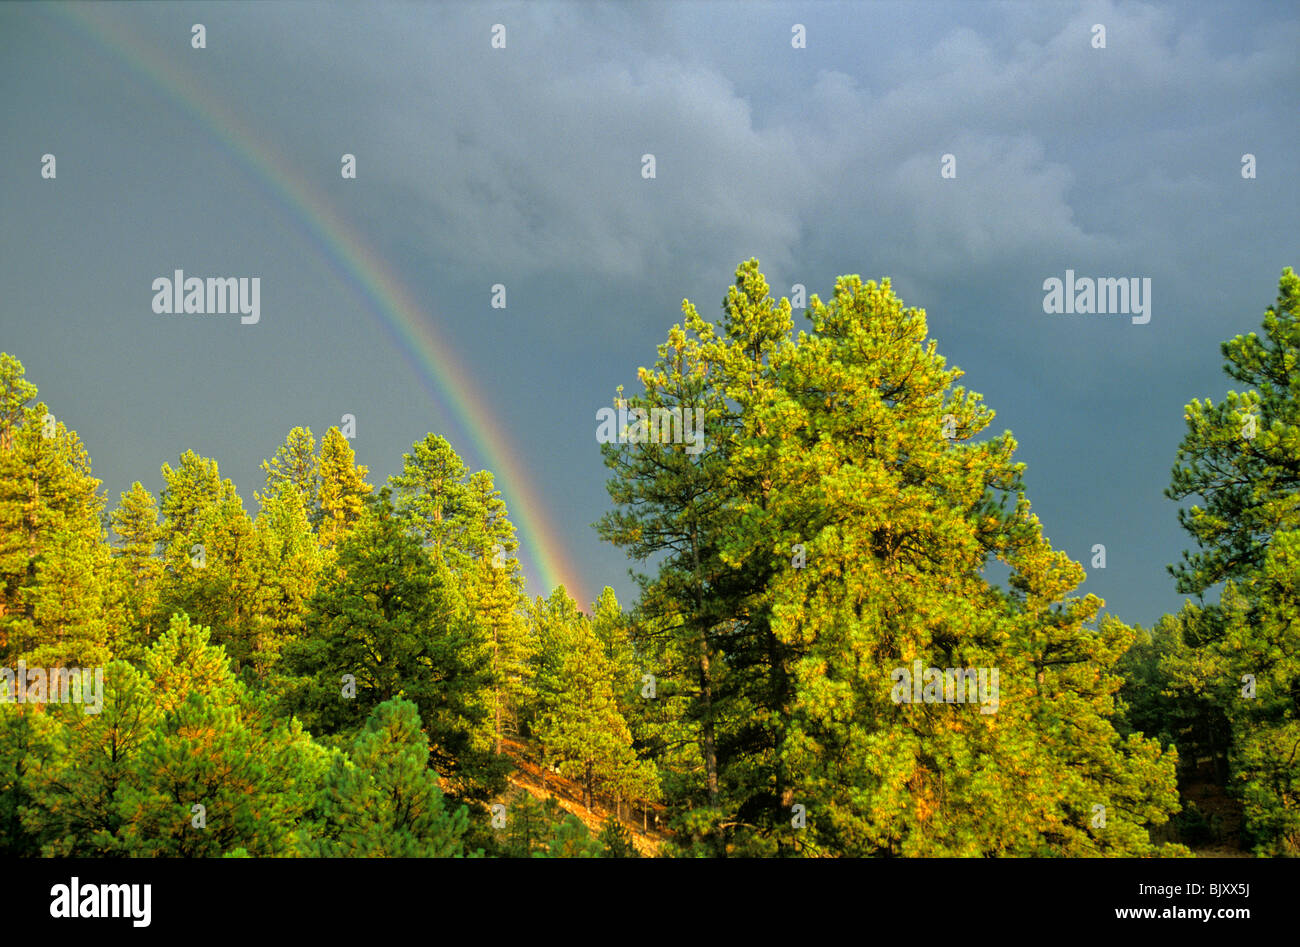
column 819, row 662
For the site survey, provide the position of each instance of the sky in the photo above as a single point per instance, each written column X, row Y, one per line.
column 479, row 166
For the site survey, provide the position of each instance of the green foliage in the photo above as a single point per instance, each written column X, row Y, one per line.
column 56, row 606
column 344, row 674
column 22, row 744
column 572, row 840
column 391, row 619
column 343, row 489
column 433, row 498
column 831, row 532
column 296, row 468
column 529, row 824
column 216, row 745
column 210, row 554
column 1239, row 456
column 462, row 522
column 616, row 840
column 537, row 829
column 139, row 570
column 578, row 722
column 289, row 563
column 1164, row 694
column 382, row 800
column 88, row 757
column 183, row 732
column 1242, row 664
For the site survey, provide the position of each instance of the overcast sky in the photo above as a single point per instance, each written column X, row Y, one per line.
column 522, row 166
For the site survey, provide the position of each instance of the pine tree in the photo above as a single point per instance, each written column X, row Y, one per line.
column 55, row 603
column 463, row 524
column 210, row 554
column 572, row 840
column 432, row 495
column 1240, row 455
column 217, row 746
column 494, row 590
column 73, row 785
column 56, row 608
column 537, row 829
column 1239, row 458
column 289, row 564
column 343, row 489
column 393, row 622
column 615, row 840
column 381, row 799
column 901, row 520
column 15, row 394
column 714, row 633
column 135, row 525
column 836, row 530
column 295, row 466
column 578, row 723
column 1165, row 694
column 23, row 743
column 529, row 825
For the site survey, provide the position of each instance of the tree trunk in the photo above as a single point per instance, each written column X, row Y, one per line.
column 710, row 751
column 496, row 687
column 706, row 687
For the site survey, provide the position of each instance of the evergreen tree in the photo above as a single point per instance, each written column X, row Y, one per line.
column 381, row 799
column 463, row 523
column 55, row 603
column 393, row 622
column 295, row 466
column 572, row 840
column 433, row 497
column 289, row 563
column 135, row 525
column 494, row 589
column 527, row 825
column 1239, row 458
column 669, row 508
column 343, row 489
column 537, row 829
column 835, row 529
column 75, row 616
column 1240, row 455
column 73, row 785
column 578, row 723
column 23, row 743
column 217, row 746
column 1164, row 694
column 210, row 554
column 1258, row 689
column 611, row 629
column 615, row 840
column 15, row 394
column 901, row 521
column 716, row 636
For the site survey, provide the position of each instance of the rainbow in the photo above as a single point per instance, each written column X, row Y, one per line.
column 366, row 275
